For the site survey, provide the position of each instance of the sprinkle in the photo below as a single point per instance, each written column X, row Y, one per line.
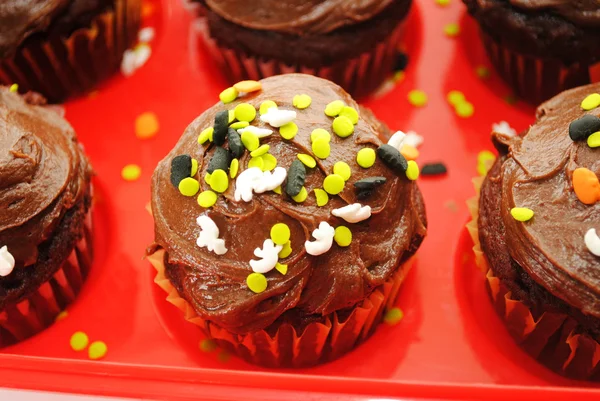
column 504, row 128
column 61, row 316
column 245, row 112
column 14, row 88
column 236, row 147
column 283, row 269
column 280, row 233
column 97, row 350
column 248, row 86
column 278, row 190
column 250, row 141
column 181, row 167
column 146, row 125
column 146, row 35
column 288, row 131
column 256, row 282
column 366, row 157
column 254, row 180
column 464, row 109
column 131, row 172
column 269, row 162
column 413, row 139
column 229, row 95
column 302, row 195
column 434, row 169
column 233, row 168
column 189, row 186
column 455, row 97
column 209, row 236
column 591, row 102
column 392, row 158
column 79, row 341
column 266, row 105
column 194, row 167
column 400, row 61
column 286, row 250
column 369, row 183
column 219, row 182
column 257, row 162
column 333, row 184
column 207, row 178
column 296, row 178
column 343, row 170
column 206, row 135
column 334, row 108
column 321, row 148
column 221, row 127
column 350, row 113
column 322, row 197
column 324, row 240
column 307, row 160
column 521, row 213
column 593, row 140
column 278, row 118
column 417, row 98
column 412, row 171
column 485, row 161
column 134, row 59
column 393, row 316
column 342, row 236
column 320, row 133
column 260, row 151
column 239, row 125
column 483, row 72
column 592, row 242
column 208, row 345
column 442, row 3
column 259, row 132
column 207, row 199
column 583, row 127
column 397, row 140
column 302, row 101
column 452, row 30
column 268, row 254
column 586, row 186
column 409, row 152
column 343, row 127
column 353, row 213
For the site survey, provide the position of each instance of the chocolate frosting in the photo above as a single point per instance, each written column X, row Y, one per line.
column 536, row 173
column 296, row 16
column 216, row 285
column 43, row 173
column 584, row 12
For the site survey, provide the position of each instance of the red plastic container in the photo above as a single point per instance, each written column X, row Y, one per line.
column 450, row 344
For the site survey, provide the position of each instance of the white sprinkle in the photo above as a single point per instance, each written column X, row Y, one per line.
column 269, row 255
column 270, row 181
column 413, row 139
column 209, row 236
column 133, row 59
column 277, row 117
column 397, row 140
column 259, row 132
column 353, row 213
column 146, row 35
column 7, row 262
column 254, row 180
column 324, row 239
column 592, row 241
column 504, row 128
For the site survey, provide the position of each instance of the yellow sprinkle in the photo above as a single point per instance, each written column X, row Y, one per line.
column 206, row 135
column 322, row 197
column 97, row 350
column 131, row 172
column 399, row 76
column 452, row 30
column 393, row 316
column 301, row 101
column 14, row 88
column 266, row 105
column 194, row 167
column 307, row 160
column 485, row 160
column 245, row 112
column 334, row 108
column 280, row 233
column 320, row 133
column 79, row 341
column 229, row 95
column 464, row 109
column 321, row 148
column 248, row 86
column 146, row 125
column 250, row 141
column 412, row 171
column 286, row 250
column 521, row 213
column 591, row 102
column 208, row 345
column 269, row 162
column 366, row 157
column 189, row 186
column 442, row 3
column 207, row 178
column 342, row 169
column 61, row 316
column 234, row 168
column 219, row 182
column 343, row 127
column 256, row 162
column 333, row 184
column 483, row 72
column 231, row 114
column 288, row 131
column 261, row 150
column 350, row 113
column 417, row 98
column 278, row 190
column 593, row 140
column 342, row 236
column 302, row 195
column 256, row 282
column 455, row 97
column 239, row 124
column 283, row 269
column 207, row 199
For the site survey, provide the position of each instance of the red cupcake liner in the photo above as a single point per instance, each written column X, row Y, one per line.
column 284, row 346
column 59, row 67
column 39, row 310
column 359, row 76
column 555, row 339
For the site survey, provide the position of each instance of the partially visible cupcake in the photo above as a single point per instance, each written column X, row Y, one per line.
column 352, row 43
column 541, row 47
column 45, row 220
column 536, row 227
column 283, row 227
column 63, row 48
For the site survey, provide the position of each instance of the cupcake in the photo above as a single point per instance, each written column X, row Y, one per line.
column 535, row 229
column 62, row 48
column 283, row 227
column 45, row 221
column 352, row 43
column 541, row 47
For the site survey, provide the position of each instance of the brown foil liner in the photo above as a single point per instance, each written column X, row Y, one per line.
column 284, row 346
column 58, row 66
column 359, row 76
column 39, row 310
column 554, row 339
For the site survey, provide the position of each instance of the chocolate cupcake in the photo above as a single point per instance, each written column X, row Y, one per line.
column 541, row 47
column 535, row 233
column 352, row 43
column 45, row 221
column 287, row 236
column 62, row 48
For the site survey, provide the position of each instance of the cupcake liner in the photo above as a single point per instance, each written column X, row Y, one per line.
column 536, row 79
column 554, row 339
column 284, row 346
column 359, row 76
column 39, row 310
column 59, row 67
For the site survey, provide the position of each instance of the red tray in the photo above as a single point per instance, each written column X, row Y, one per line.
column 450, row 343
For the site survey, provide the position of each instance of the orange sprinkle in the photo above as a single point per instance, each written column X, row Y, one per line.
column 409, row 152
column 146, row 125
column 248, row 86
column 586, row 186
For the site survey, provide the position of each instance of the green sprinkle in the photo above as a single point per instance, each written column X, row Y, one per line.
column 308, row 160
column 417, row 98
column 234, row 168
column 280, row 233
column 231, row 114
column 301, row 197
column 343, row 127
column 283, row 269
column 266, row 105
column 269, row 162
column 342, row 169
column 366, row 157
column 393, row 316
column 301, row 101
column 219, row 182
column 322, row 197
column 321, row 148
column 342, row 236
column 277, row 190
column 250, row 141
column 207, row 199
column 464, row 109
column 412, row 171
column 245, row 112
column 14, row 88
column 455, row 97
column 334, row 108
column 256, row 282
column 452, row 30
column 320, row 133
column 260, row 151
column 229, row 95
column 286, row 250
column 207, row 178
column 521, row 213
column 350, row 113
column 239, row 125
column 333, row 184
column 288, row 131
column 194, row 167
column 483, row 72
column 206, row 135
column 256, row 162
column 593, row 140
column 591, row 102
column 208, row 345
column 189, row 186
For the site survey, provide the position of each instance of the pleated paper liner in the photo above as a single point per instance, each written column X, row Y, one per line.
column 284, row 346
column 39, row 310
column 359, row 76
column 59, row 67
column 554, row 339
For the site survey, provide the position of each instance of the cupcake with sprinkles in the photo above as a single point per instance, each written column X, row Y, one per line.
column 352, row 43
column 535, row 228
column 284, row 227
